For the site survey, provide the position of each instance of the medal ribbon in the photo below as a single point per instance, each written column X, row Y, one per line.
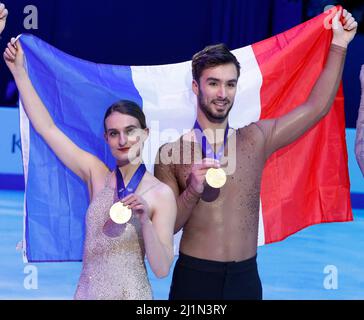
column 133, row 183
column 206, row 148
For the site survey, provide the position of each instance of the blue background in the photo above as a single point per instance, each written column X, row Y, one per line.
column 144, row 32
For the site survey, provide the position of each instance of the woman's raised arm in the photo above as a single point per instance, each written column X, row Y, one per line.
column 79, row 161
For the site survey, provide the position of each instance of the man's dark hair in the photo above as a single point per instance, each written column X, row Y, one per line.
column 212, row 56
column 127, row 107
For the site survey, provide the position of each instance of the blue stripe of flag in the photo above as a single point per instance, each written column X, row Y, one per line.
column 77, row 94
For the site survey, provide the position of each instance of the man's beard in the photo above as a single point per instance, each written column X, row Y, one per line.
column 210, row 115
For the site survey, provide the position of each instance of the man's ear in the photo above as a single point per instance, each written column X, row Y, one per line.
column 195, row 87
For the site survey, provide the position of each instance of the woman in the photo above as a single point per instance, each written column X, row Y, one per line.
column 113, row 260
column 359, row 137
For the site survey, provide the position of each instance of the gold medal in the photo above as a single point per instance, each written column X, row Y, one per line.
column 215, row 178
column 119, row 213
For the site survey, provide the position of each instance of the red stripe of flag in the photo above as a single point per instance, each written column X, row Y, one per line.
column 306, row 182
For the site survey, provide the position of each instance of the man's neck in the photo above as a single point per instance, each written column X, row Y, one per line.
column 205, row 124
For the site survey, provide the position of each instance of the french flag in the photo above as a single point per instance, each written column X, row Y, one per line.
column 303, row 184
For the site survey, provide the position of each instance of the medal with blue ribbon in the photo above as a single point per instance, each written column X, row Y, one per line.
column 215, row 178
column 119, row 213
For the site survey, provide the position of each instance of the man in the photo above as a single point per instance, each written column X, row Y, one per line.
column 359, row 139
column 3, row 16
column 220, row 221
